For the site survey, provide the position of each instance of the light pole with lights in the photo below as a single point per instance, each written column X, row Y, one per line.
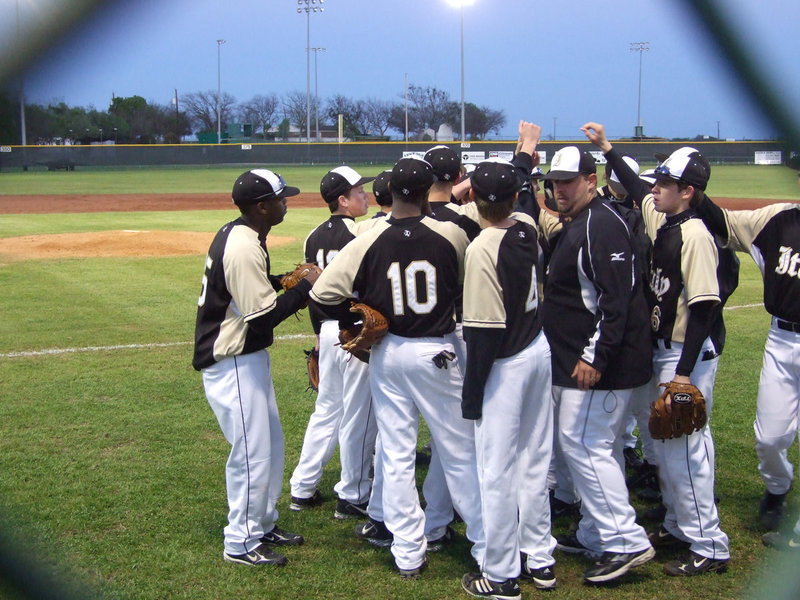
column 641, row 48
column 316, row 90
column 219, row 92
column 309, row 6
column 461, row 4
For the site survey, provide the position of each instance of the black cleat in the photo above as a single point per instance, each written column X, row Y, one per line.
column 304, row 503
column 349, row 510
column 261, row 555
column 279, row 537
column 375, row 532
column 695, row 565
column 615, row 564
column 479, row 586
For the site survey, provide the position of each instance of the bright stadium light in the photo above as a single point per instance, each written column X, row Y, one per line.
column 309, row 6
column 461, row 4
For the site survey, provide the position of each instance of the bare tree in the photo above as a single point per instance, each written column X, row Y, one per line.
column 377, row 114
column 352, row 112
column 261, row 111
column 295, row 106
column 201, row 107
column 432, row 106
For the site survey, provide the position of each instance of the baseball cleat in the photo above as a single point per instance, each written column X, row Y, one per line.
column 479, row 586
column 415, row 572
column 664, row 539
column 447, row 538
column 279, row 537
column 615, row 564
column 572, row 545
column 633, row 460
column 559, row 508
column 375, row 532
column 304, row 503
column 348, row 510
column 543, row 578
column 261, row 555
column 781, row 541
column 695, row 565
column 771, row 510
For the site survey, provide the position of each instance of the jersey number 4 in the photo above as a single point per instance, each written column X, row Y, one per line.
column 419, row 275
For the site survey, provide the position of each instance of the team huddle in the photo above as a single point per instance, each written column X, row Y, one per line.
column 532, row 342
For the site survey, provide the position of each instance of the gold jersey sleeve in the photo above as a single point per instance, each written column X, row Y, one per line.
column 483, row 295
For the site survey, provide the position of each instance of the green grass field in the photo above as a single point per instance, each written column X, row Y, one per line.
column 727, row 181
column 111, row 461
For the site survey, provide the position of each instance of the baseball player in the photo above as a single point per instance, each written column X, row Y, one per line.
column 343, row 410
column 639, row 408
column 237, row 312
column 595, row 318
column 383, row 197
column 507, row 389
column 684, row 292
column 770, row 235
column 409, row 268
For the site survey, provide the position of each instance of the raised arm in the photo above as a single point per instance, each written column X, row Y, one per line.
column 635, row 187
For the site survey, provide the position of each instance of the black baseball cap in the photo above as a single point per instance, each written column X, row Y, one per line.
column 685, row 165
column 495, row 180
column 256, row 185
column 340, row 181
column 446, row 163
column 537, row 173
column 380, row 188
column 411, row 176
column 569, row 162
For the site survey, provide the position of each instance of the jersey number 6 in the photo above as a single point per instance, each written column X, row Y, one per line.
column 418, row 270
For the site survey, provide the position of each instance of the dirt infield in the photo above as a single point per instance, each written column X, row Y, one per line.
column 83, row 203
column 148, row 243
column 158, row 202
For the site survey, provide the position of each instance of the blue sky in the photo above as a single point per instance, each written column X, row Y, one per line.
column 563, row 59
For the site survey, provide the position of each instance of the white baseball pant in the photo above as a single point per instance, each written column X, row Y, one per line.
column 240, row 392
column 686, row 464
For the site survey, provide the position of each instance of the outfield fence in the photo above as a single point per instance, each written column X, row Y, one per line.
column 13, row 158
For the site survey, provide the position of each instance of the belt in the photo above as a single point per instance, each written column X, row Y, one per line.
column 789, row 326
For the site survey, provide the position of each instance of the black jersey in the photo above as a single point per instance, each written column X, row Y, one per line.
column 772, row 237
column 409, row 269
column 236, row 293
column 325, row 241
column 500, row 285
column 453, row 213
column 683, row 270
column 594, row 307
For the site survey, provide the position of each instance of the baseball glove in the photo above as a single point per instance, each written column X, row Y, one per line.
column 359, row 339
column 312, row 368
column 679, row 410
column 291, row 279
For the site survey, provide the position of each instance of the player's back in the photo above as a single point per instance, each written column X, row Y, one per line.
column 411, row 272
column 325, row 241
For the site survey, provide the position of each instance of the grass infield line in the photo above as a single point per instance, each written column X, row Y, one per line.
column 295, row 336
column 56, row 351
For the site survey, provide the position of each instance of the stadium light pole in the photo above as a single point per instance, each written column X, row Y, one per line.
column 461, row 4
column 309, row 6
column 219, row 91
column 641, row 48
column 316, row 90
